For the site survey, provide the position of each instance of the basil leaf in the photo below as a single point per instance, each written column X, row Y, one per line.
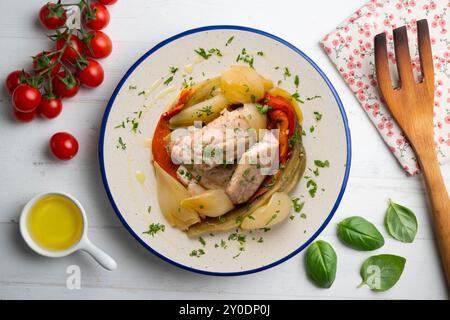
column 401, row 222
column 321, row 263
column 360, row 234
column 382, row 272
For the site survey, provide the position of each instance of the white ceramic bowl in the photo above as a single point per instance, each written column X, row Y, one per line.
column 124, row 152
column 83, row 244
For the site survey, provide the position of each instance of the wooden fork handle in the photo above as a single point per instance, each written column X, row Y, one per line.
column 439, row 201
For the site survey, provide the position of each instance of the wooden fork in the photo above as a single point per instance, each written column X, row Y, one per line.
column 411, row 104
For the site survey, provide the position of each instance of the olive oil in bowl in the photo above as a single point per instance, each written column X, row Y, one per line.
column 55, row 223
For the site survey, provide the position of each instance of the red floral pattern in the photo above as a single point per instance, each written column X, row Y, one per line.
column 350, row 47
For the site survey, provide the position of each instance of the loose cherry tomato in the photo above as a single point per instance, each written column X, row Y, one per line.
column 63, row 145
column 91, row 73
column 14, row 79
column 108, row 2
column 97, row 44
column 52, row 15
column 73, row 50
column 50, row 106
column 24, row 116
column 26, row 98
column 46, row 60
column 96, row 16
column 65, row 85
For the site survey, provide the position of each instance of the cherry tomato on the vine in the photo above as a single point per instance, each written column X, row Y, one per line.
column 96, row 16
column 26, row 98
column 14, row 79
column 52, row 16
column 24, row 116
column 63, row 145
column 46, row 60
column 108, row 2
column 50, row 106
column 91, row 73
column 97, row 44
column 73, row 49
column 65, row 85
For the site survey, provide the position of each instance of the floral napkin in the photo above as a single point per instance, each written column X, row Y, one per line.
column 350, row 48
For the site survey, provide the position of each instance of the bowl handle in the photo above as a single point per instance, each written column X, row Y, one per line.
column 99, row 255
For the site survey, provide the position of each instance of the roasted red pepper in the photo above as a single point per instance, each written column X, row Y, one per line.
column 185, row 94
column 280, row 119
column 281, row 104
column 159, row 149
column 283, row 117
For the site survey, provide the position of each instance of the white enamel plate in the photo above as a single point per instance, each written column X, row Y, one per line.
column 151, row 84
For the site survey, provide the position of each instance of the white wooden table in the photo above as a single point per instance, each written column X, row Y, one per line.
column 136, row 26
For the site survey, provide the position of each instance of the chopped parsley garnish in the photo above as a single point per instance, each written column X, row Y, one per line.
column 241, row 238
column 154, row 228
column 238, row 220
column 211, row 93
column 296, row 81
column 298, row 205
column 134, row 126
column 311, row 129
column 317, row 116
column 131, row 87
column 313, row 98
column 216, row 51
column 322, row 164
column 207, row 110
column 202, row 241
column 260, row 240
column 316, row 172
column 168, row 80
column 286, row 73
column 207, row 54
column 173, row 70
column 197, row 253
column 203, row 53
column 222, row 219
column 141, row 93
column 273, row 217
column 223, row 244
column 296, row 97
column 229, row 41
column 312, row 187
column 293, row 140
column 236, row 256
column 138, row 113
column 187, row 83
column 120, row 144
column 260, row 53
column 262, row 108
column 245, row 57
column 149, row 209
column 122, row 125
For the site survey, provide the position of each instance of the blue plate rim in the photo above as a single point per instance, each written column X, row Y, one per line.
column 225, row 27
